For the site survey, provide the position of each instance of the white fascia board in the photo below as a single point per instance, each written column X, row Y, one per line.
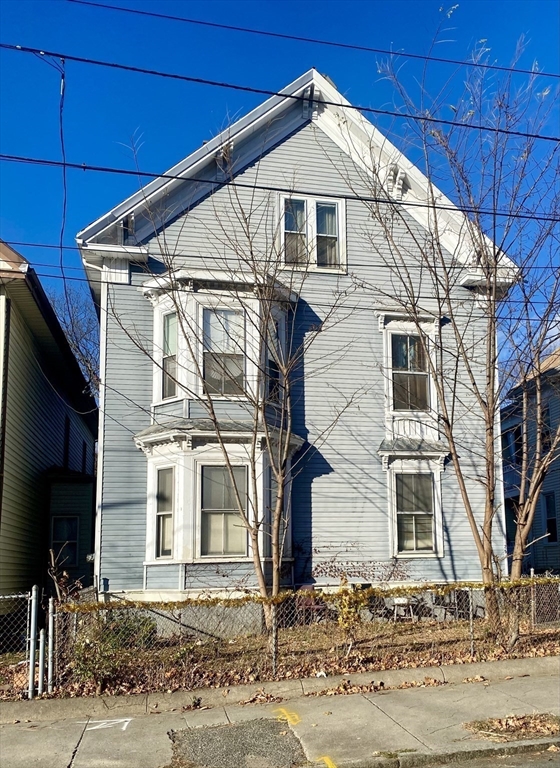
column 161, row 283
column 245, row 125
column 361, row 140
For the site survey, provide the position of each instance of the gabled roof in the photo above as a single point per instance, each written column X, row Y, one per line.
column 346, row 126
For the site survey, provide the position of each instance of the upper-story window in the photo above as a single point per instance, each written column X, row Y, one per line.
column 169, row 362
column 312, row 232
column 409, row 373
column 551, row 520
column 224, row 351
column 512, row 445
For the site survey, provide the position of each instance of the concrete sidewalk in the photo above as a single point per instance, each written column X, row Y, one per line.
column 417, row 726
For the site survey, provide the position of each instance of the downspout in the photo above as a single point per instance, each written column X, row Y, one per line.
column 4, row 391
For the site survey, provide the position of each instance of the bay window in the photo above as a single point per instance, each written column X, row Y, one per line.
column 164, row 512
column 169, row 361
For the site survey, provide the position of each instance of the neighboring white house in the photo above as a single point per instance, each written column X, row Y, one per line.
column 48, row 426
column 283, row 188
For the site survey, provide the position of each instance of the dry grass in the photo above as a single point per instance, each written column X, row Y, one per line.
column 516, row 727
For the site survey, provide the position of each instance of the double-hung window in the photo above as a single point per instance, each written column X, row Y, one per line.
column 311, row 230
column 223, row 532
column 65, row 540
column 551, row 521
column 169, row 361
column 164, row 512
column 415, row 512
column 409, row 373
column 224, row 352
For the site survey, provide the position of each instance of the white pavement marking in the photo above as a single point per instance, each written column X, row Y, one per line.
column 97, row 725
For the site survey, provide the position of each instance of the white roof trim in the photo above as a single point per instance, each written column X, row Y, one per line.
column 356, row 136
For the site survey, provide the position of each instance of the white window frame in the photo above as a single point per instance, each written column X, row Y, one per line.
column 415, row 467
column 228, row 302
column 166, row 306
column 77, row 518
column 155, row 463
column 311, row 232
column 426, row 373
column 213, row 459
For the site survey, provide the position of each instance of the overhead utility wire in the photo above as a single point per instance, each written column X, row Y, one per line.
column 267, row 188
column 79, row 269
column 314, row 40
column 267, row 92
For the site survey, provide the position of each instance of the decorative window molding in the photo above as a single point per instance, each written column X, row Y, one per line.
column 415, row 508
column 312, row 233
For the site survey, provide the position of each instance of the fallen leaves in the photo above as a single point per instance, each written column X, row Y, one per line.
column 515, row 727
column 261, row 697
column 476, row 679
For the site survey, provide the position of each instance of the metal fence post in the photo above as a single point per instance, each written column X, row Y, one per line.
column 471, row 622
column 33, row 640
column 41, row 683
column 50, row 646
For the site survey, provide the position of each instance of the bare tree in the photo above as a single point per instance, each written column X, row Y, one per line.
column 76, row 313
column 485, row 275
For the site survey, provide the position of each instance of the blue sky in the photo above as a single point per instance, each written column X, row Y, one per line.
column 105, row 109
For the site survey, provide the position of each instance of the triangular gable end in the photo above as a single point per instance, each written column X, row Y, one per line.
column 345, row 126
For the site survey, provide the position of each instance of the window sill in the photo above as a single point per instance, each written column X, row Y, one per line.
column 313, row 269
column 417, row 555
column 168, row 401
column 222, row 559
column 162, row 561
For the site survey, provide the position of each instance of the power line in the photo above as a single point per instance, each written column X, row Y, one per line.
column 267, row 92
column 268, row 188
column 313, row 40
column 325, row 305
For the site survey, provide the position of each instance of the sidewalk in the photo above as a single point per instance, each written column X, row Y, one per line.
column 417, row 726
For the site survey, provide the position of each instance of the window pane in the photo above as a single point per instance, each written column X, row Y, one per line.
column 235, row 535
column 165, row 490
column 418, row 388
column 169, row 376
column 223, row 331
column 66, row 553
column 294, row 216
column 212, row 533
column 295, row 248
column 405, row 528
column 326, row 219
column 164, row 545
column 327, row 252
column 217, row 489
column 550, row 504
column 399, row 349
column 223, row 373
column 170, row 334
column 65, row 528
column 416, row 357
column 414, row 493
column 424, row 534
column 233, row 374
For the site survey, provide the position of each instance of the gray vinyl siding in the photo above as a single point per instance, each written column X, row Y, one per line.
column 35, row 420
column 128, row 398
column 340, row 504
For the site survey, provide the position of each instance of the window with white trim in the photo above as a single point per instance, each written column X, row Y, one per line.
column 312, row 232
column 415, row 512
column 222, row 530
column 65, row 539
column 409, row 373
column 223, row 361
column 165, row 502
column 169, row 360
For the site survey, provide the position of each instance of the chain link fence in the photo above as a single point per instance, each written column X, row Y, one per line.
column 15, row 614
column 122, row 647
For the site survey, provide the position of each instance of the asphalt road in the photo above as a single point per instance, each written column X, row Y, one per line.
column 543, row 759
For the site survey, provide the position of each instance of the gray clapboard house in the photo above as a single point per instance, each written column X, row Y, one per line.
column 48, row 428
column 371, row 485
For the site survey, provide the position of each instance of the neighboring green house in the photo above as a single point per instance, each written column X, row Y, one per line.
column 48, row 425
